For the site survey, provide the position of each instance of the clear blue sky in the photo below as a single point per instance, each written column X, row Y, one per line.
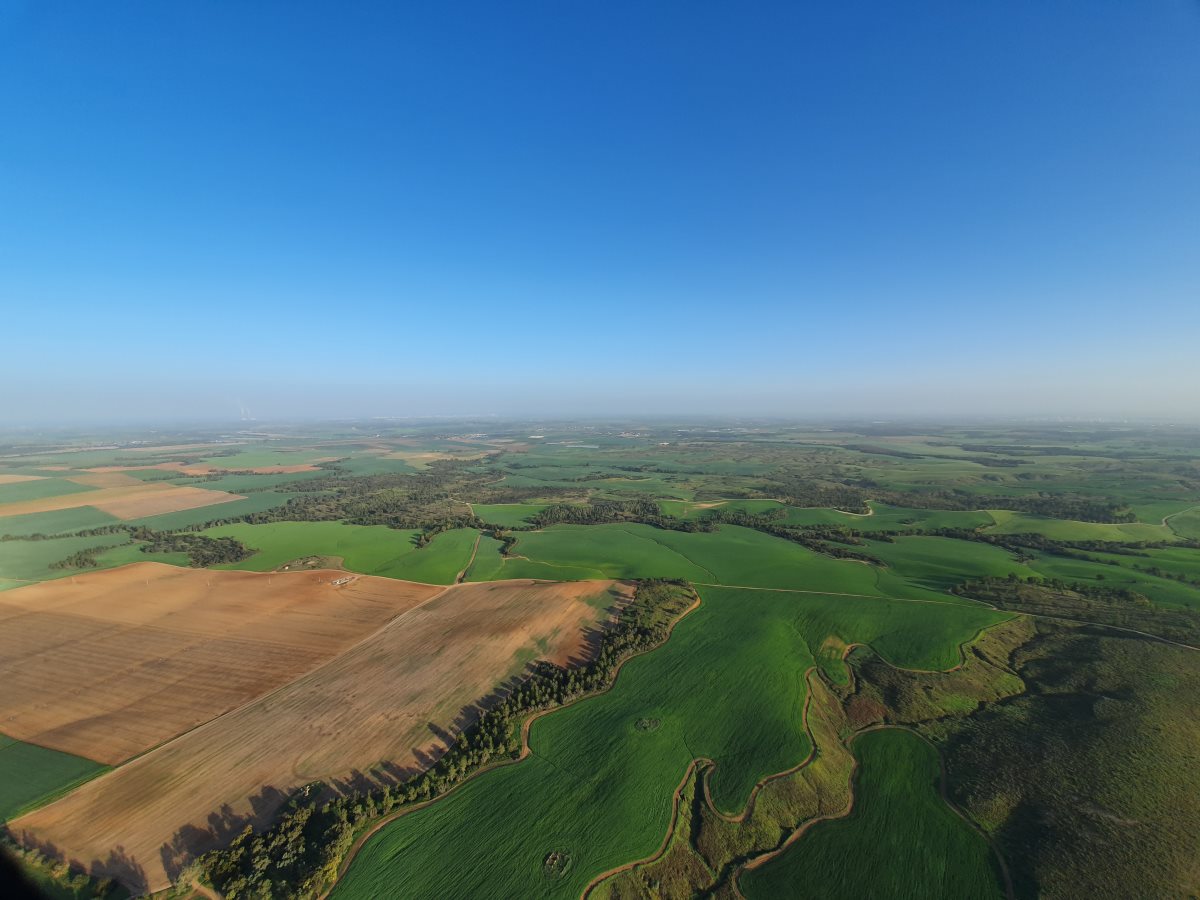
column 557, row 207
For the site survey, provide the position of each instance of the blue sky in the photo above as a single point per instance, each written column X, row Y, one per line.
column 569, row 207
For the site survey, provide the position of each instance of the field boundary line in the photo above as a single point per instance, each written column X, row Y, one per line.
column 525, row 752
column 386, row 625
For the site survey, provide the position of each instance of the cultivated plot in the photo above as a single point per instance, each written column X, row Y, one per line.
column 108, row 664
column 398, row 696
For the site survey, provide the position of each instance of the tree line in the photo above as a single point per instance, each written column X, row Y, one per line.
column 299, row 854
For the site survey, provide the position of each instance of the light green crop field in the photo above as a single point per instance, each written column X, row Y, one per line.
column 58, row 521
column 31, row 775
column 1008, row 522
column 40, row 489
column 901, row 840
column 1186, row 524
column 729, row 555
column 939, row 563
column 728, row 685
column 507, row 515
column 1161, row 591
column 26, row 561
column 369, row 549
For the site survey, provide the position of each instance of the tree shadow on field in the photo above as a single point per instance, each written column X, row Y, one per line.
column 222, row 827
column 118, row 865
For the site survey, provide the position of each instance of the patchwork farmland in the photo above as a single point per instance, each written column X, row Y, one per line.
column 680, row 663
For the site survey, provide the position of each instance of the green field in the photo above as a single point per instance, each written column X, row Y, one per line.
column 901, row 840
column 25, row 561
column 58, row 521
column 369, row 549
column 1008, row 522
column 32, row 775
column 37, row 490
column 729, row 555
column 509, row 515
column 728, row 685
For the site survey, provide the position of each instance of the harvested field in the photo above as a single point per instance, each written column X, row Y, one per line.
column 130, row 501
column 209, row 469
column 397, row 696
column 14, row 479
column 108, row 664
column 104, row 479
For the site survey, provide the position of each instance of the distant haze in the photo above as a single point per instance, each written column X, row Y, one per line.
column 939, row 208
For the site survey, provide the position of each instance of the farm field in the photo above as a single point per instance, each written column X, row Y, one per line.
column 901, row 839
column 156, row 650
column 198, row 690
column 369, row 549
column 30, row 775
column 397, row 697
column 125, row 502
column 728, row 685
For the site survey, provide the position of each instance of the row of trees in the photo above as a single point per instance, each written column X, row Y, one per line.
column 298, row 856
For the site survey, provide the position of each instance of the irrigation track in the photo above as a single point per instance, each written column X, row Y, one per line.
column 524, row 753
column 458, row 579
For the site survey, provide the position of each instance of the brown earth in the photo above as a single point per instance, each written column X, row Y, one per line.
column 108, row 664
column 399, row 695
column 130, row 501
column 104, row 479
column 208, row 469
column 14, row 479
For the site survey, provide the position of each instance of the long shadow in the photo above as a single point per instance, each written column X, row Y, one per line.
column 221, row 827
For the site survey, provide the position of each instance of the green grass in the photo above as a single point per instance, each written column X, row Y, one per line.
column 1186, row 524
column 369, row 549
column 939, row 563
column 56, row 522
column 729, row 555
column 728, row 685
column 31, row 775
column 31, row 560
column 901, row 840
column 42, row 488
column 508, row 515
column 1008, row 522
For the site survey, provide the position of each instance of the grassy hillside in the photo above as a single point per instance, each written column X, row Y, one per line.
column 901, row 840
column 597, row 787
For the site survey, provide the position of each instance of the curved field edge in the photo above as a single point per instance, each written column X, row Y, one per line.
column 555, row 774
column 899, row 836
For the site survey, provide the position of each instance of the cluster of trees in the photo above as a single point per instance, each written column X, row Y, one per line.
column 83, row 559
column 603, row 512
column 1098, row 603
column 831, row 540
column 299, row 854
column 201, row 549
column 1018, row 543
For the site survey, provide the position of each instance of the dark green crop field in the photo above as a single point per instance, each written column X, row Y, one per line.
column 901, row 840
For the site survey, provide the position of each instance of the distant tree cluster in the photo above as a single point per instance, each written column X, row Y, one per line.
column 201, row 549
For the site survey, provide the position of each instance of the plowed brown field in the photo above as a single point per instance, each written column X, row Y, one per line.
column 396, row 696
column 108, row 664
column 128, row 501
